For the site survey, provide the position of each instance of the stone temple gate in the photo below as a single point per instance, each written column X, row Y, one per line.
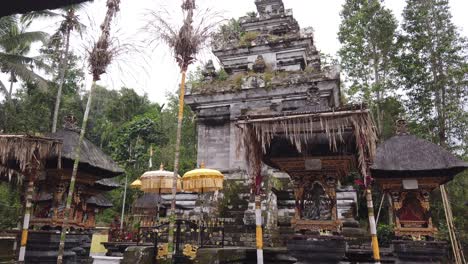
column 275, row 78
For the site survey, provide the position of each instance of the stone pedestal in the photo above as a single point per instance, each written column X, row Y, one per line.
column 42, row 247
column 7, row 254
column 308, row 249
column 420, row 252
column 138, row 254
column 242, row 255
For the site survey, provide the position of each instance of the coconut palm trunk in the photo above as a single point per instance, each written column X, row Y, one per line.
column 73, row 177
column 99, row 58
column 62, row 69
column 180, row 118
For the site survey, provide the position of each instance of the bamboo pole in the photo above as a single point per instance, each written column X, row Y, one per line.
column 459, row 258
column 280, row 118
column 73, row 177
column 27, row 217
column 259, row 231
column 372, row 227
column 180, row 117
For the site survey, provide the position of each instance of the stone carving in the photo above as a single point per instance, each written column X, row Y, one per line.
column 313, row 95
column 251, row 82
column 307, row 32
column 209, row 72
column 259, row 65
column 316, row 204
column 401, row 128
column 70, row 122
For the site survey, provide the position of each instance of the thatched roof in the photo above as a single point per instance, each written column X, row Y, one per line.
column 257, row 133
column 25, row 6
column 99, row 200
column 18, row 152
column 408, row 153
column 108, row 184
column 148, row 201
column 91, row 155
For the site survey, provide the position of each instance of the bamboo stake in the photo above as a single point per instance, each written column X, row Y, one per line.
column 372, row 226
column 456, row 247
column 259, row 231
column 180, row 117
column 280, row 118
column 27, row 217
column 73, row 177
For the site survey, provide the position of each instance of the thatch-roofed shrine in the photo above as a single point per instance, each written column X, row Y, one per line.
column 95, row 174
column 408, row 169
column 44, row 165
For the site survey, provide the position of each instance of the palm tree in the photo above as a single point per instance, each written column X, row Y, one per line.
column 69, row 23
column 100, row 57
column 185, row 43
column 15, row 44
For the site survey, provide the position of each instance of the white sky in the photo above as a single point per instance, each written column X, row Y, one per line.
column 153, row 71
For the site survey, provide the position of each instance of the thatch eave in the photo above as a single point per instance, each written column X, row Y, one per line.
column 19, row 152
column 406, row 155
column 92, row 157
column 100, row 201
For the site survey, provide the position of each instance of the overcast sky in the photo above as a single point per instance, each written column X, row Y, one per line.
column 153, row 70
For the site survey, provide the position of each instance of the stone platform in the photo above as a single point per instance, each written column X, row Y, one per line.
column 42, row 247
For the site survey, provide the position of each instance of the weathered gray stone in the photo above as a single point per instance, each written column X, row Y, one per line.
column 138, row 255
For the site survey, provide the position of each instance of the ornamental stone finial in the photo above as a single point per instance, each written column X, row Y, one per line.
column 401, row 127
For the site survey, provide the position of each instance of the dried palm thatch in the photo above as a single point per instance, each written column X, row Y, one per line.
column 300, row 130
column 18, row 152
column 187, row 40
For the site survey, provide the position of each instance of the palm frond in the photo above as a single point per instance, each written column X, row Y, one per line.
column 21, row 66
column 43, row 14
column 6, row 23
column 186, row 41
column 10, row 42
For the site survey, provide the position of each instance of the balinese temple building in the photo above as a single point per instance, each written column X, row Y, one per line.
column 276, row 120
column 94, row 179
column 280, row 103
column 409, row 169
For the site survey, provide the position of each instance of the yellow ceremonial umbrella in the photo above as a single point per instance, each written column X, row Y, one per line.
column 136, row 184
column 159, row 181
column 203, row 180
